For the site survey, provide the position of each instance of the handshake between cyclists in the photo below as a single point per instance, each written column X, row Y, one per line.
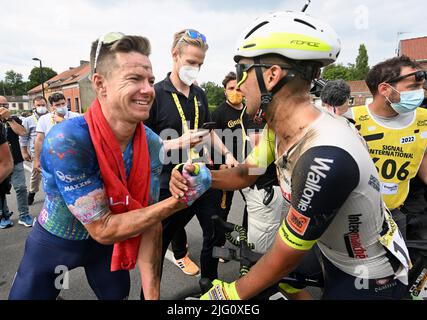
column 324, row 170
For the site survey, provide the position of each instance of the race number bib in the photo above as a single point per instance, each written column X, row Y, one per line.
column 393, row 241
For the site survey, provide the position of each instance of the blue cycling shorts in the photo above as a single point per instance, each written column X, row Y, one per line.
column 41, row 274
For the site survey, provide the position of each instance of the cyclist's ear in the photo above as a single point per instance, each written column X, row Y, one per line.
column 273, row 75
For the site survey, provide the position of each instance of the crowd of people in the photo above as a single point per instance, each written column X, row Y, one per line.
column 122, row 181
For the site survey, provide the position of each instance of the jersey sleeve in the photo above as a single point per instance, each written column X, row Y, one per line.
column 322, row 180
column 69, row 157
column 263, row 153
column 157, row 156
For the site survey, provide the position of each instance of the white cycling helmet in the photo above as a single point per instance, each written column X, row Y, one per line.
column 294, row 35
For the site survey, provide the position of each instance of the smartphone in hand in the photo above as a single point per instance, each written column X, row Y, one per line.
column 209, row 126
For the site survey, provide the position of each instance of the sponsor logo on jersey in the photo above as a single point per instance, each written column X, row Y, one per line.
column 77, row 186
column 288, row 238
column 389, row 188
column 364, row 118
column 317, row 172
column 297, row 221
column 352, row 239
column 374, row 183
column 422, row 123
column 384, row 284
column 231, row 124
column 406, row 140
column 69, row 178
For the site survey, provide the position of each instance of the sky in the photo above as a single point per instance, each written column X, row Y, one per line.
column 60, row 32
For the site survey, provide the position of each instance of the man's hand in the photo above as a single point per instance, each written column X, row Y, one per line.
column 4, row 114
column 37, row 165
column 191, row 183
column 26, row 155
column 230, row 161
column 192, row 138
column 221, row 291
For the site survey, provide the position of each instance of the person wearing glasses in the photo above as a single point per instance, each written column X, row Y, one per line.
column 182, row 106
column 59, row 112
column 324, row 170
column 395, row 129
column 12, row 128
column 101, row 178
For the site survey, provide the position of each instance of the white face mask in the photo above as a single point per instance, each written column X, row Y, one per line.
column 41, row 110
column 188, row 74
column 62, row 111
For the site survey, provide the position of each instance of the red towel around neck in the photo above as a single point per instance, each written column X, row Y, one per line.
column 123, row 196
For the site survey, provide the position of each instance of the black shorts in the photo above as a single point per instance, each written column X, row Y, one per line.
column 339, row 285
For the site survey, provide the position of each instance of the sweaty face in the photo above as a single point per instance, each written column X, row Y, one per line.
column 129, row 88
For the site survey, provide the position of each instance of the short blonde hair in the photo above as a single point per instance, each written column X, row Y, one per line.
column 182, row 39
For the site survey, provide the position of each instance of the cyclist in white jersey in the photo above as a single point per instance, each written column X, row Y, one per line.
column 323, row 165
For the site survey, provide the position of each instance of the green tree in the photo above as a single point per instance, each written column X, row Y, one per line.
column 14, row 84
column 214, row 93
column 361, row 68
column 34, row 78
column 3, row 88
column 337, row 71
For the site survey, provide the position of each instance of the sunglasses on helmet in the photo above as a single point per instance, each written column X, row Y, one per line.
column 107, row 39
column 420, row 75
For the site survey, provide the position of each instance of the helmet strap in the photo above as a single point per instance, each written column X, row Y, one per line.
column 266, row 96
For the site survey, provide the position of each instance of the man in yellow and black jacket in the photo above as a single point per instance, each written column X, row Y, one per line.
column 395, row 129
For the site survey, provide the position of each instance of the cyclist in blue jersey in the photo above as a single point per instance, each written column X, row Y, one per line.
column 101, row 179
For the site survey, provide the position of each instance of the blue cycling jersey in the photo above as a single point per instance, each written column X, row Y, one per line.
column 72, row 181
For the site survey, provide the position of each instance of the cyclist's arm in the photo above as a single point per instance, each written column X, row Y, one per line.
column 113, row 228
column 422, row 171
column 69, row 158
column 254, row 166
column 331, row 174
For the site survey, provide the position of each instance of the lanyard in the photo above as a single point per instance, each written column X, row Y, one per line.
column 191, row 153
column 35, row 118
column 181, row 113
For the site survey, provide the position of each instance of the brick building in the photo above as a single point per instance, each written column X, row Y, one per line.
column 74, row 83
